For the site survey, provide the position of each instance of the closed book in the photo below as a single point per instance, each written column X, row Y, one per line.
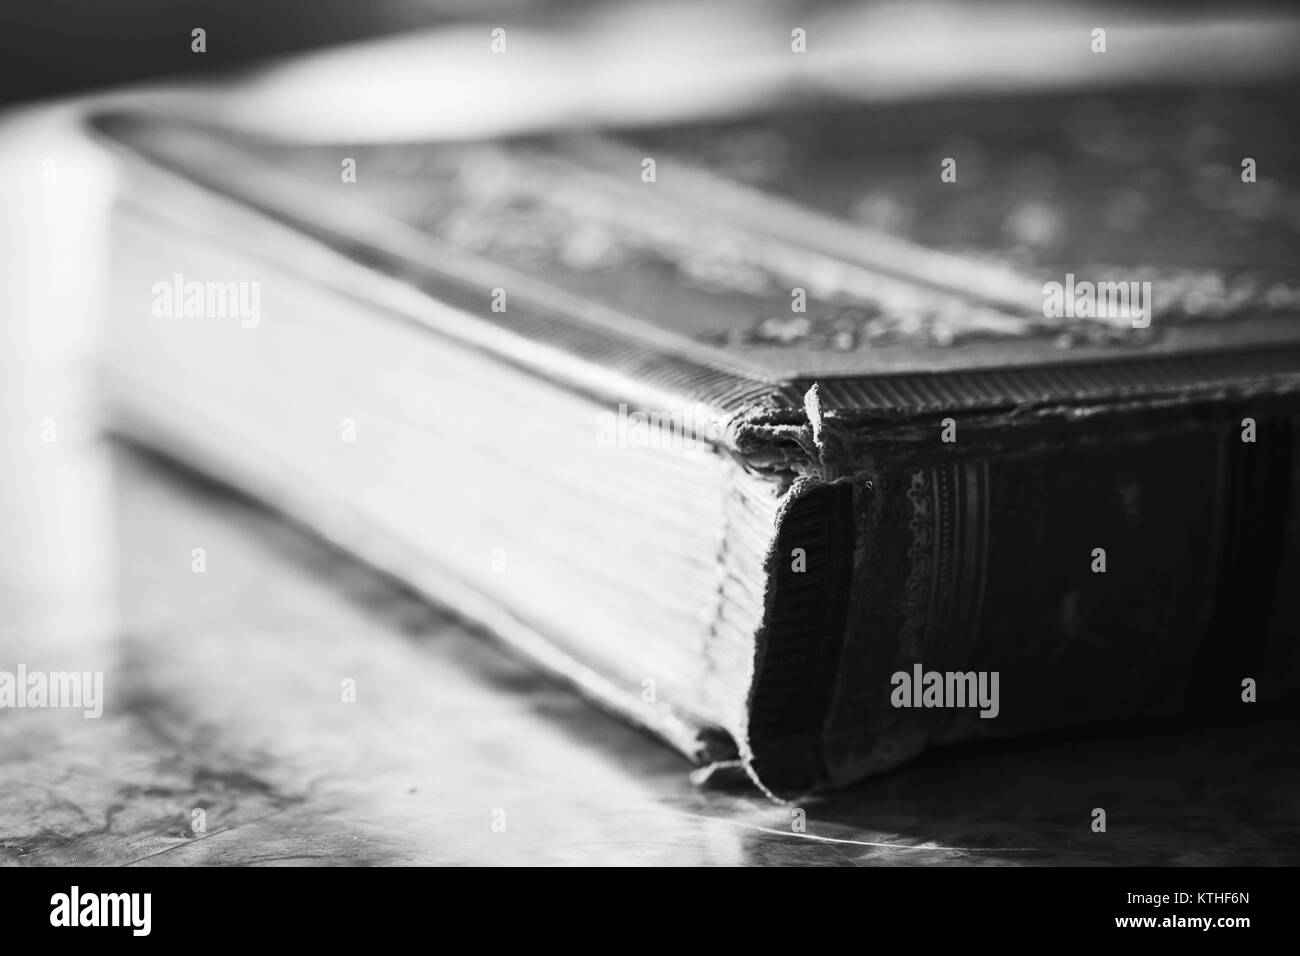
column 807, row 441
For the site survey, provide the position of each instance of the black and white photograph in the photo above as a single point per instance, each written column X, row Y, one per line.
column 555, row 433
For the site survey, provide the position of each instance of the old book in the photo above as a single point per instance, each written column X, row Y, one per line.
column 807, row 441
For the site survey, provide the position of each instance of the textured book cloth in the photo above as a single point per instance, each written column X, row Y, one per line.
column 807, row 442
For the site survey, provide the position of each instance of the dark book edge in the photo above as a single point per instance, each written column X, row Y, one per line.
column 810, row 565
column 868, row 596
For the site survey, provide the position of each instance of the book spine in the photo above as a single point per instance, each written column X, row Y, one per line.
column 1084, row 572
